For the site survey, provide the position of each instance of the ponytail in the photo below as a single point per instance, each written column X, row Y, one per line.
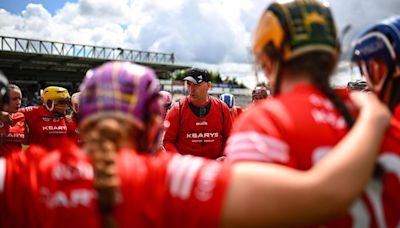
column 106, row 182
column 320, row 66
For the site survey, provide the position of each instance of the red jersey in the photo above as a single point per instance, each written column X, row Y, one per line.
column 44, row 127
column 13, row 135
column 235, row 112
column 169, row 190
column 396, row 112
column 297, row 129
column 72, row 128
column 204, row 135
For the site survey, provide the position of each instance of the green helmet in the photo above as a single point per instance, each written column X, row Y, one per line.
column 296, row 27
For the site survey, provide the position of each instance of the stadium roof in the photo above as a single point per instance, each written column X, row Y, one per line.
column 37, row 60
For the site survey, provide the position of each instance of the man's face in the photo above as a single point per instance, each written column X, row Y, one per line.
column 15, row 101
column 198, row 92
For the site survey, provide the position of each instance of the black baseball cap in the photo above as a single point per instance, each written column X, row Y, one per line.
column 197, row 76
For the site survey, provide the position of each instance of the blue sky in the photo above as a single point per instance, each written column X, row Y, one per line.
column 16, row 6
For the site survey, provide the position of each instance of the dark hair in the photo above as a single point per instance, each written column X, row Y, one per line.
column 320, row 65
column 13, row 86
column 395, row 94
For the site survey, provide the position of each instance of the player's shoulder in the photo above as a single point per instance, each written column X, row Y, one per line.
column 28, row 109
column 18, row 116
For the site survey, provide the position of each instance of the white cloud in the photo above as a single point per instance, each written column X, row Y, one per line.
column 216, row 33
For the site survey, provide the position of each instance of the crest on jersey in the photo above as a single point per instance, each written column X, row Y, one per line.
column 46, row 118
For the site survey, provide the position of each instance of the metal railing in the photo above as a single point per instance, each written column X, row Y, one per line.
column 42, row 47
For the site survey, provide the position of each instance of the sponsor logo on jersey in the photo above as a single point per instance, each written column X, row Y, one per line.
column 46, row 118
column 327, row 117
column 15, row 135
column 202, row 135
column 202, row 123
column 62, row 199
column 54, row 128
column 63, row 172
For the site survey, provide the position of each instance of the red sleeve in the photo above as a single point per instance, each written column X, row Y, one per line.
column 252, row 141
column 171, row 133
column 29, row 113
column 16, row 206
column 196, row 189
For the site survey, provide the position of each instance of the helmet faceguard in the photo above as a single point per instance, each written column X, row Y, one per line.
column 228, row 99
column 259, row 93
column 358, row 86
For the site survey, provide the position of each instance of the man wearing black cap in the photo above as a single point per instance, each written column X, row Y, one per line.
column 199, row 124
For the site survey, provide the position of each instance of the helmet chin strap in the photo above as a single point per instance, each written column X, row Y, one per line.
column 49, row 108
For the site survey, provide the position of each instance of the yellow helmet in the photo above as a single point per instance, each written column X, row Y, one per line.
column 55, row 93
column 296, row 27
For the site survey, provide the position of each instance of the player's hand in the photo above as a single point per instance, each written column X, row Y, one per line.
column 371, row 108
column 5, row 117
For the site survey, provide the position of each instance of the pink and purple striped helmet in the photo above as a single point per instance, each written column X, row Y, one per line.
column 121, row 87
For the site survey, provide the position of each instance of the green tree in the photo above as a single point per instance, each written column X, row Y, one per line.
column 179, row 74
column 216, row 77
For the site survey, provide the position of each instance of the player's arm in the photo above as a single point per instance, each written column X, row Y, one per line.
column 270, row 195
column 26, row 135
column 171, row 132
column 5, row 117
